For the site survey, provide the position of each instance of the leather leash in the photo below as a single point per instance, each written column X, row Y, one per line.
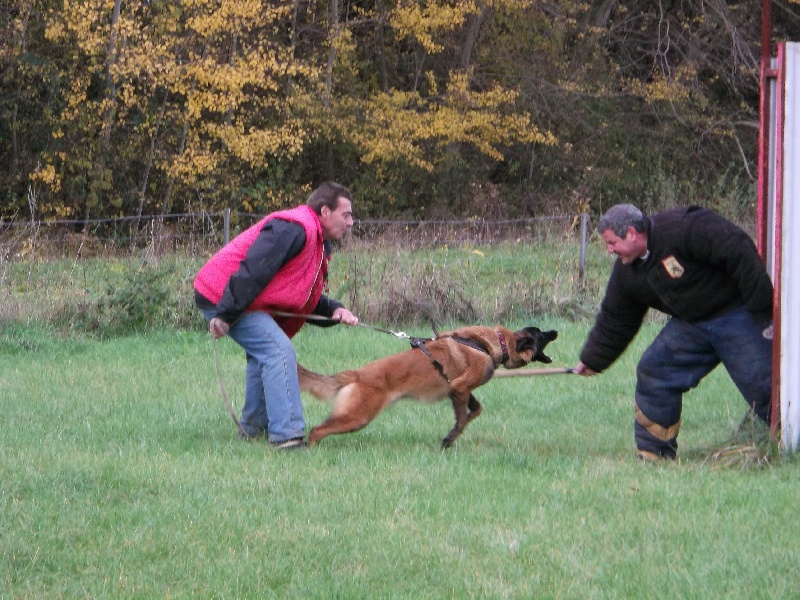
column 398, row 334
column 242, row 430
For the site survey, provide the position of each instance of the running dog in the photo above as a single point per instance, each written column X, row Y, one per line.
column 452, row 365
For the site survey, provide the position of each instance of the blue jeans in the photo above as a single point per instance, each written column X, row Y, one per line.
column 272, row 393
column 681, row 355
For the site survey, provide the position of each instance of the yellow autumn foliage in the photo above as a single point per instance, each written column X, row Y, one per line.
column 405, row 126
column 424, row 20
column 658, row 90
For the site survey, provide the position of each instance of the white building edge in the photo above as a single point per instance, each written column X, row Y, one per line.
column 781, row 239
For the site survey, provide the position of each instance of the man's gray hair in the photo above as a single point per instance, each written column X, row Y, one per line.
column 618, row 218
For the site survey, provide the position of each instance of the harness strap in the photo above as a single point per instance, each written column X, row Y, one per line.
column 471, row 343
column 420, row 343
column 474, row 344
column 478, row 346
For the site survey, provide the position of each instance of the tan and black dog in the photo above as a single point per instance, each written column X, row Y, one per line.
column 450, row 365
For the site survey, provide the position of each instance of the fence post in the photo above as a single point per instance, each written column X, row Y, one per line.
column 582, row 261
column 226, row 228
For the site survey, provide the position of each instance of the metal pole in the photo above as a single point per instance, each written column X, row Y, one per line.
column 778, row 350
column 227, row 226
column 582, row 260
column 763, row 199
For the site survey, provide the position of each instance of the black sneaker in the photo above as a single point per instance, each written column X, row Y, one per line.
column 292, row 444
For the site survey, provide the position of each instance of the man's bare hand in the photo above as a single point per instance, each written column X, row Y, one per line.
column 582, row 369
column 218, row 328
column 345, row 316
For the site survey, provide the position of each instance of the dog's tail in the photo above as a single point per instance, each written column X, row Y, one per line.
column 323, row 387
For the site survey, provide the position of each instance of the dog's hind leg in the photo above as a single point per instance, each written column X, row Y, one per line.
column 354, row 408
column 465, row 409
column 475, row 408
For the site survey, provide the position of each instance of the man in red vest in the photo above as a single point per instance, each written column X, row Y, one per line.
column 279, row 265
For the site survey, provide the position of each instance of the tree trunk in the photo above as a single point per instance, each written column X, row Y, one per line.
column 383, row 72
column 151, row 155
column 333, row 37
column 14, row 125
column 599, row 15
column 99, row 184
column 473, row 29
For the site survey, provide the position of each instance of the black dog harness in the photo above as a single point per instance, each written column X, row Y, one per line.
column 478, row 346
column 420, row 343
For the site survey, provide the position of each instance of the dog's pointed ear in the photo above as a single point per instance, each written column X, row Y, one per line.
column 526, row 338
column 435, row 330
column 546, row 338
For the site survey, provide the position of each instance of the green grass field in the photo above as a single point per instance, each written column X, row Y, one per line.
column 121, row 476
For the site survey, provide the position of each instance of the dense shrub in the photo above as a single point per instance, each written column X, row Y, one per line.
column 136, row 297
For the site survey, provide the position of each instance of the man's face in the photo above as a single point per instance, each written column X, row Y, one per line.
column 628, row 248
column 335, row 223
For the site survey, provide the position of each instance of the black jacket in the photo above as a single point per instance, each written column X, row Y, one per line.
column 699, row 266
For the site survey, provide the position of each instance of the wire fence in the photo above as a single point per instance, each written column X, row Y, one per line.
column 131, row 273
column 198, row 234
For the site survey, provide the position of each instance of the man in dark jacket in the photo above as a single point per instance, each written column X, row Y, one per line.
column 705, row 273
column 279, row 265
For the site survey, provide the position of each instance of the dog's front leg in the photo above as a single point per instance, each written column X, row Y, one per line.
column 460, row 406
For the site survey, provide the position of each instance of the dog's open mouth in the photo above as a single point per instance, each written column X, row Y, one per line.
column 531, row 341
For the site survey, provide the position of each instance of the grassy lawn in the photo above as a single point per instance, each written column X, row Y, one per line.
column 121, row 476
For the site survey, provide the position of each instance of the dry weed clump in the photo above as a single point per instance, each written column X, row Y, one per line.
column 750, row 447
column 393, row 284
column 392, row 289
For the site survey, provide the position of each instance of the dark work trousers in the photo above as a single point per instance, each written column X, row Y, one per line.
column 681, row 355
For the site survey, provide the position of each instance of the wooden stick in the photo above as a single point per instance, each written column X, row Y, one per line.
column 529, row 372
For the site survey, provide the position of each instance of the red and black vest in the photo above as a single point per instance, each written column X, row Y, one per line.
column 297, row 287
